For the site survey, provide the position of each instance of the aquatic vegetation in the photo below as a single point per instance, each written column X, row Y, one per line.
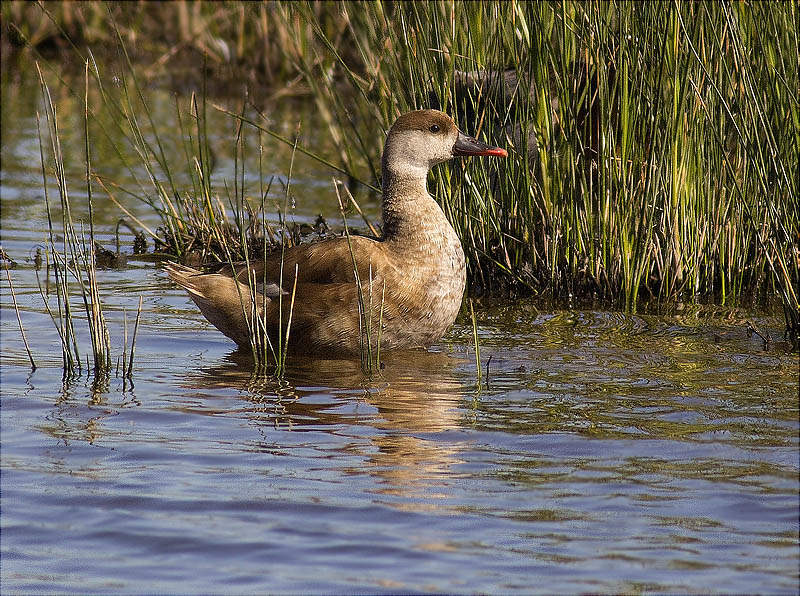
column 654, row 146
column 73, row 258
column 477, row 345
column 19, row 319
column 369, row 336
column 77, row 259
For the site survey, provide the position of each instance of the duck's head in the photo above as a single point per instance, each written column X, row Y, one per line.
column 419, row 140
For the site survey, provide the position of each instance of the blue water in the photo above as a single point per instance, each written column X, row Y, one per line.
column 602, row 452
column 660, row 466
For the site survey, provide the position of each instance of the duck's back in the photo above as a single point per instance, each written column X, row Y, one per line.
column 415, row 302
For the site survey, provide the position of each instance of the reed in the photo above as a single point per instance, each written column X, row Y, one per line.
column 261, row 340
column 369, row 337
column 283, row 340
column 73, row 260
column 61, row 319
column 19, row 319
column 98, row 331
column 127, row 357
column 76, row 258
column 476, row 343
column 269, row 353
column 198, row 223
column 655, row 145
column 194, row 219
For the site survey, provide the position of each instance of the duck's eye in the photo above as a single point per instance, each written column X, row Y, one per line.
column 434, row 128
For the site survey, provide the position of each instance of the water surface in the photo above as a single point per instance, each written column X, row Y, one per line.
column 603, row 452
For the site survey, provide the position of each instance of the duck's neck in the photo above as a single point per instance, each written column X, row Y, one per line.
column 424, row 246
column 409, row 212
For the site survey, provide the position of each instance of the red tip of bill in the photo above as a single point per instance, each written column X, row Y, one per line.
column 496, row 152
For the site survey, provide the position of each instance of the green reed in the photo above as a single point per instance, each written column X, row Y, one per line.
column 654, row 146
column 73, row 256
column 477, row 345
column 76, row 259
column 369, row 337
column 195, row 222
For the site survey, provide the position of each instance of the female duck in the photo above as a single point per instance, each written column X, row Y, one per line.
column 419, row 261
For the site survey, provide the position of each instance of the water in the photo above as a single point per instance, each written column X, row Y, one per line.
column 604, row 453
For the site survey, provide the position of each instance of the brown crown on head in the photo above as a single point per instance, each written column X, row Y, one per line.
column 423, row 120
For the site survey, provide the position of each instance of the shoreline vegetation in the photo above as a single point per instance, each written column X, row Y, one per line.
column 654, row 147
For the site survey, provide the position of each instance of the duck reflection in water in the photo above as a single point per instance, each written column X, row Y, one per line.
column 417, row 392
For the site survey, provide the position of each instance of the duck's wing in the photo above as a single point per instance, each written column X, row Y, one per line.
column 324, row 317
column 326, row 262
column 325, row 312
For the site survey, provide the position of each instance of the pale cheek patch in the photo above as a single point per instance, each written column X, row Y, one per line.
column 422, row 149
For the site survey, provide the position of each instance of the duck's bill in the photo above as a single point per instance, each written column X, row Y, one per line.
column 469, row 146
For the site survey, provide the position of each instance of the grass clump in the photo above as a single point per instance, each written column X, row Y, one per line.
column 655, row 145
column 77, row 259
column 74, row 260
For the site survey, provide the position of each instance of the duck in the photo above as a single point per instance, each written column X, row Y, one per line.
column 412, row 278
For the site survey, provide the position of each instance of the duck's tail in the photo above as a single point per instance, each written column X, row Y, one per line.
column 226, row 303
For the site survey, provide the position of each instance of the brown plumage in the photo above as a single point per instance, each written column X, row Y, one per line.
column 418, row 260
